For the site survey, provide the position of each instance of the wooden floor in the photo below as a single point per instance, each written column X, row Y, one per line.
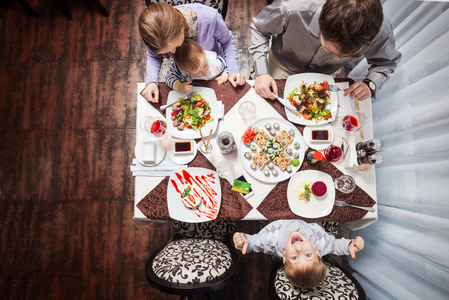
column 67, row 127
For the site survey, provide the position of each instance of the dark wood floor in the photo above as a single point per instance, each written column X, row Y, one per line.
column 67, row 127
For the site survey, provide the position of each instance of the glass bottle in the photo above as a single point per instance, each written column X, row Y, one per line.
column 369, row 145
column 314, row 156
column 372, row 159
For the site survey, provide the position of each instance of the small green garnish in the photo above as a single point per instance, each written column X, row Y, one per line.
column 295, row 162
column 307, row 191
column 186, row 192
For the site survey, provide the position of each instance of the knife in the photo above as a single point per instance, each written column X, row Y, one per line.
column 191, row 94
column 285, row 103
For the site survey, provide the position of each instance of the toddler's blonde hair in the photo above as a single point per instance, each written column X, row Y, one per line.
column 189, row 56
column 159, row 24
column 306, row 276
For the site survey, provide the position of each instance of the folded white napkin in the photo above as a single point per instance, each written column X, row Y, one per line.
column 165, row 168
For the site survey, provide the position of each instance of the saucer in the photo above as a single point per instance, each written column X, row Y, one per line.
column 158, row 148
column 318, row 145
column 181, row 159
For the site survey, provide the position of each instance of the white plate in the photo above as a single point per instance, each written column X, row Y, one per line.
column 282, row 175
column 181, row 159
column 197, row 178
column 160, row 150
column 189, row 134
column 310, row 78
column 307, row 133
column 316, row 208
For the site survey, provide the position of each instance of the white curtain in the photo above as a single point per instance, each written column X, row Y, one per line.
column 406, row 253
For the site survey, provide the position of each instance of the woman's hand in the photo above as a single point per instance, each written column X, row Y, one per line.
column 263, row 84
column 240, row 241
column 356, row 245
column 237, row 79
column 221, row 79
column 151, row 92
column 359, row 91
column 185, row 87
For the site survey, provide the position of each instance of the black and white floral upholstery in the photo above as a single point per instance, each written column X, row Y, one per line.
column 338, row 284
column 192, row 266
column 192, row 261
column 220, row 5
column 209, row 230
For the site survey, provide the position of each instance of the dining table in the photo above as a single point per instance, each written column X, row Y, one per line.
column 270, row 199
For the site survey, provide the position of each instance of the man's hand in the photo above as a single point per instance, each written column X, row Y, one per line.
column 262, row 86
column 151, row 92
column 359, row 91
column 185, row 87
column 221, row 79
column 356, row 245
column 237, row 79
column 240, row 241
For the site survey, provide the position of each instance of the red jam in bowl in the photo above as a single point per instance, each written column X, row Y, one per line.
column 319, row 188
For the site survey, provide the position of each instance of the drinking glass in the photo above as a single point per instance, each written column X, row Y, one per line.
column 333, row 153
column 353, row 122
column 345, row 184
column 154, row 126
column 203, row 149
column 225, row 169
column 247, row 110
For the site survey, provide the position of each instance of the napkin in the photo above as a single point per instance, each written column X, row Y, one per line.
column 161, row 170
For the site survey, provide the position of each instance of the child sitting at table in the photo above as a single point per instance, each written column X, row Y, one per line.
column 300, row 245
column 192, row 62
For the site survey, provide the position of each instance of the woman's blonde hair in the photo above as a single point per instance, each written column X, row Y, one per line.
column 306, row 276
column 159, row 24
column 189, row 56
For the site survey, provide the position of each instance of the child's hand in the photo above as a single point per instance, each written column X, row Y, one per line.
column 185, row 87
column 356, row 245
column 221, row 79
column 237, row 79
column 240, row 241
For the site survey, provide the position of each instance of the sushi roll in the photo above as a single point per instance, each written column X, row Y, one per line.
column 269, row 144
column 276, row 152
column 275, row 145
column 283, row 133
column 289, row 151
column 253, row 166
column 248, row 155
column 270, row 151
column 277, row 161
column 265, row 159
column 296, row 155
column 284, row 142
column 253, row 147
column 256, row 138
column 291, row 132
column 266, row 172
column 289, row 169
column 264, row 148
column 270, row 165
column 272, row 131
column 289, row 138
column 260, row 164
column 278, row 138
column 276, row 126
column 296, row 145
column 255, row 130
column 268, row 126
column 282, row 166
column 280, row 148
column 272, row 156
column 272, row 140
column 274, row 172
column 287, row 161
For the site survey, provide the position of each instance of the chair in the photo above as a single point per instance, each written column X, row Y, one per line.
column 192, row 266
column 97, row 3
column 220, row 5
column 338, row 284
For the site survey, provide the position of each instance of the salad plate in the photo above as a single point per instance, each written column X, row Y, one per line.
column 317, row 207
column 272, row 169
column 198, row 181
column 189, row 133
column 310, row 78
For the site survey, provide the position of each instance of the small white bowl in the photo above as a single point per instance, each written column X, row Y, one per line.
column 183, row 147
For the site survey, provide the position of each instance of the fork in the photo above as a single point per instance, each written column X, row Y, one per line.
column 344, row 204
column 334, row 88
column 191, row 94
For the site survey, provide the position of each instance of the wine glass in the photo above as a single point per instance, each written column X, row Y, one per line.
column 154, row 126
column 333, row 153
column 353, row 122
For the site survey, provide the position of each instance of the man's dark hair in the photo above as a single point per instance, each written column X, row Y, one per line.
column 351, row 24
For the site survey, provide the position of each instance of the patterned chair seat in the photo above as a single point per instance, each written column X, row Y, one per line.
column 338, row 284
column 191, row 266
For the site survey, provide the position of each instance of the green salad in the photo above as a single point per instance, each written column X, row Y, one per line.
column 192, row 113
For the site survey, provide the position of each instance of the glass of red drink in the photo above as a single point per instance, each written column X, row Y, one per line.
column 354, row 121
column 333, row 153
column 154, row 126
